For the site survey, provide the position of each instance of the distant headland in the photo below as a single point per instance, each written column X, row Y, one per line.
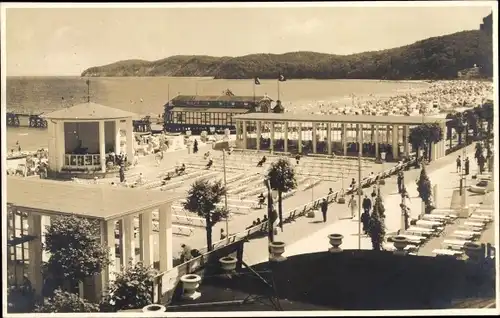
column 434, row 58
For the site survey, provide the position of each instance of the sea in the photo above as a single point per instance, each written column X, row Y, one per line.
column 147, row 95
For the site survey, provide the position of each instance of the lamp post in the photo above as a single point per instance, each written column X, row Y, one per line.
column 225, row 194
column 359, row 185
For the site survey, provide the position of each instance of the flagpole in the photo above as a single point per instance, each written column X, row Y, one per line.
column 254, row 91
column 278, row 89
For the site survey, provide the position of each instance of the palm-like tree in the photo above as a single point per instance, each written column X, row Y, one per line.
column 202, row 199
column 423, row 136
column 281, row 177
column 458, row 124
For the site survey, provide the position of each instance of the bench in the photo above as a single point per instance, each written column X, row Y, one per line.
column 455, row 244
column 191, row 220
column 182, row 230
column 447, row 252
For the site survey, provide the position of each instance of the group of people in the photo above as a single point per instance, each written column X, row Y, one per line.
column 466, row 165
column 258, row 221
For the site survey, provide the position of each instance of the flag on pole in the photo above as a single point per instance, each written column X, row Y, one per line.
column 281, row 78
column 257, row 80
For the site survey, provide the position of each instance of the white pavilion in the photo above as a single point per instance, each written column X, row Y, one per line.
column 80, row 136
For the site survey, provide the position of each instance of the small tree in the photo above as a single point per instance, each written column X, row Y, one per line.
column 424, row 189
column 376, row 224
column 75, row 249
column 281, row 176
column 423, row 136
column 131, row 289
column 64, row 302
column 202, row 199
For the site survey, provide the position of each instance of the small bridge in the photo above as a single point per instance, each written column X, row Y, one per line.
column 20, row 119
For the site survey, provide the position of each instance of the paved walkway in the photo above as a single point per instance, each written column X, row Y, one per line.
column 307, row 236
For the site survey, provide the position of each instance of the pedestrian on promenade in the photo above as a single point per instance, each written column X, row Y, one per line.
column 365, row 219
column 374, row 193
column 467, row 166
column 122, row 173
column 459, row 164
column 367, row 204
column 185, row 253
column 400, row 182
column 353, row 204
column 324, row 209
column 195, row 146
column 297, row 158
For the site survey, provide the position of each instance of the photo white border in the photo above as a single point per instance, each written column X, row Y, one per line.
column 444, row 312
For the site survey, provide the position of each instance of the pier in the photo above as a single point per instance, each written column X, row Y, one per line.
column 19, row 119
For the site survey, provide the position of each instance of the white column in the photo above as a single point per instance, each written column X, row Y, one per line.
column 51, row 127
column 395, row 138
column 165, row 237
column 35, row 252
column 361, row 138
column 102, row 146
column 45, row 222
column 129, row 128
column 127, row 240
column 299, row 141
column 259, row 133
column 344, row 138
column 387, row 134
column 102, row 280
column 145, row 224
column 329, row 137
column 271, row 146
column 376, row 142
column 117, row 137
column 406, row 144
column 314, row 133
column 60, row 145
column 244, row 130
column 285, row 137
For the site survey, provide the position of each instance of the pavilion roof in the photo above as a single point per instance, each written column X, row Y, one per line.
column 89, row 111
column 355, row 119
column 85, row 200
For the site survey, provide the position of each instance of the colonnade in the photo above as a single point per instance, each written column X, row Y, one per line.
column 120, row 229
column 249, row 133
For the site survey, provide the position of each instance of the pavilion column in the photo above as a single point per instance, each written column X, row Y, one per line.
column 102, row 146
column 117, row 137
column 314, row 140
column 387, row 134
column 372, row 133
column 107, row 275
column 271, row 145
column 127, row 240
column 376, row 142
column 60, row 145
column 35, row 252
column 406, row 144
column 45, row 222
column 130, row 139
column 344, row 138
column 244, row 132
column 361, row 138
column 259, row 133
column 329, row 137
column 299, row 141
column 165, row 237
column 285, row 137
column 443, row 142
column 146, row 248
column 395, row 138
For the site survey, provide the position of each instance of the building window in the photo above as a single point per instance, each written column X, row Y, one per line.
column 181, row 117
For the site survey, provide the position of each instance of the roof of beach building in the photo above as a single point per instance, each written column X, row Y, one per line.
column 217, row 98
column 85, row 200
column 323, row 118
column 89, row 111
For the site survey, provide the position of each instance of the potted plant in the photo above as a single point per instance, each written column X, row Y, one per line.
column 335, row 242
column 228, row 263
column 153, row 308
column 400, row 243
column 276, row 249
column 190, row 282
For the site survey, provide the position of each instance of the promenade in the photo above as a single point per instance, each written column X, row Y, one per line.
column 308, row 236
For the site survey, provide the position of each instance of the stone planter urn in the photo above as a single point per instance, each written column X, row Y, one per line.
column 190, row 282
column 335, row 242
column 154, row 308
column 473, row 251
column 400, row 243
column 228, row 263
column 276, row 249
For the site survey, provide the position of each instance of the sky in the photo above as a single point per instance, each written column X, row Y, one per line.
column 66, row 41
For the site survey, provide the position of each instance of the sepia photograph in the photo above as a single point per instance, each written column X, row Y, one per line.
column 249, row 158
